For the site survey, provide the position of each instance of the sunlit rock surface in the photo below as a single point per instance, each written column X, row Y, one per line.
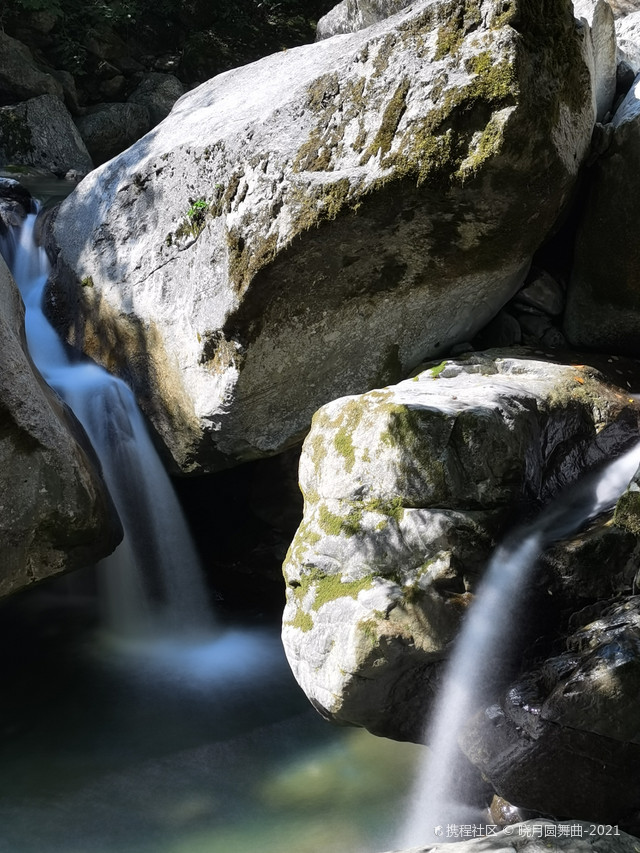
column 320, row 221
column 406, row 489
column 352, row 15
column 55, row 514
column 566, row 737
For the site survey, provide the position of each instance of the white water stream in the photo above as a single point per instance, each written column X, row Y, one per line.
column 435, row 801
column 152, row 583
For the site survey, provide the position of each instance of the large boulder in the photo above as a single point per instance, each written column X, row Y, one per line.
column 349, row 16
column 107, row 129
column 55, row 513
column 158, row 93
column 565, row 738
column 318, row 222
column 20, row 76
column 603, row 305
column 40, row 132
column 406, row 490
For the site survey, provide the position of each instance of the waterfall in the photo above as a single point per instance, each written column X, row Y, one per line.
column 152, row 582
column 490, row 621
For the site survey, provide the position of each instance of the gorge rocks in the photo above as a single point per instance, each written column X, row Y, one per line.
column 55, row 514
column 318, row 222
column 406, row 489
column 603, row 55
column 603, row 307
column 40, row 132
column 565, row 738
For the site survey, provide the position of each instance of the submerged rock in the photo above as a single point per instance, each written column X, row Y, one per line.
column 320, row 221
column 565, row 739
column 55, row 513
column 406, row 489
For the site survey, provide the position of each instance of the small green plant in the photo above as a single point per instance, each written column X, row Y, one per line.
column 197, row 212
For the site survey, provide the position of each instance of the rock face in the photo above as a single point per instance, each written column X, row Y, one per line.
column 55, row 514
column 566, row 737
column 406, row 489
column 107, row 129
column 318, row 222
column 40, row 132
column 534, row 835
column 602, row 37
column 628, row 39
column 20, row 77
column 158, row 93
column 353, row 15
column 603, row 307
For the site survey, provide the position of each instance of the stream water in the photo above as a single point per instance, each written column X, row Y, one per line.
column 435, row 800
column 160, row 731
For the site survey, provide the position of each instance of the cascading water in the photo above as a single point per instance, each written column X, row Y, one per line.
column 152, row 582
column 435, row 801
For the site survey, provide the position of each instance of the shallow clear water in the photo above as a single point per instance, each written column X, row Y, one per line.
column 195, row 748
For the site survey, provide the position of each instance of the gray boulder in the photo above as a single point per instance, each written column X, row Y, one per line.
column 628, row 39
column 534, row 836
column 40, row 132
column 603, row 54
column 318, row 222
column 108, row 129
column 20, row 76
column 603, row 303
column 55, row 513
column 565, row 738
column 158, row 93
column 406, row 490
column 349, row 16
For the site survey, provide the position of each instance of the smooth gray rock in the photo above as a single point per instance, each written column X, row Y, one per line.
column 40, row 132
column 349, row 16
column 55, row 513
column 318, row 222
column 158, row 93
column 602, row 38
column 108, row 129
column 20, row 77
column 565, row 738
column 406, row 489
column 542, row 291
column 603, row 300
column 538, row 836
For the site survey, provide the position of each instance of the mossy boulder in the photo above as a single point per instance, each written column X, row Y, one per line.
column 367, row 201
column 55, row 512
column 406, row 491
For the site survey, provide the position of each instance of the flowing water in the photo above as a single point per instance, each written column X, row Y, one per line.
column 152, row 583
column 149, row 738
column 435, row 800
